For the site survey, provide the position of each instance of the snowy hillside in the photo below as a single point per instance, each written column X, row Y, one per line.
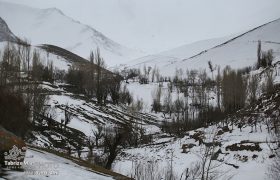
column 5, row 32
column 58, row 62
column 52, row 167
column 241, row 164
column 87, row 117
column 241, row 152
column 174, row 55
column 51, row 26
column 238, row 52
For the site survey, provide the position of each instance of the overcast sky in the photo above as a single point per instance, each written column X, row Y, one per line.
column 156, row 25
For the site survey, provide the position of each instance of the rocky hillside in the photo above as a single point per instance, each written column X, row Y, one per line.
column 5, row 32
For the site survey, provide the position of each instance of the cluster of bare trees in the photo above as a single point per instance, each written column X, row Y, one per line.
column 234, row 88
column 151, row 170
column 110, row 140
column 19, row 63
column 231, row 89
column 21, row 99
column 95, row 81
column 191, row 108
column 145, row 75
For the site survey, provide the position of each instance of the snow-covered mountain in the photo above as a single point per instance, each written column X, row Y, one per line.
column 5, row 32
column 51, row 26
column 238, row 52
column 174, row 55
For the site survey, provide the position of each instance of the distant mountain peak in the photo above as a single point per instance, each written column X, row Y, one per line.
column 52, row 26
column 53, row 10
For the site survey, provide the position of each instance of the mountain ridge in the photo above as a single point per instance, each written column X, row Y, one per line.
column 38, row 25
column 230, row 40
column 238, row 52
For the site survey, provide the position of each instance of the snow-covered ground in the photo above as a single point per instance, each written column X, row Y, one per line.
column 254, row 168
column 87, row 114
column 43, row 165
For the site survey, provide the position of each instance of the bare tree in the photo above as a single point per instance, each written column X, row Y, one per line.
column 259, row 54
column 153, row 73
column 100, row 64
column 218, row 88
column 157, row 74
column 112, row 141
column 27, row 55
column 211, row 68
column 269, row 57
column 149, row 170
column 90, row 144
column 91, row 81
column 156, row 95
column 269, row 87
column 252, row 88
column 114, row 86
column 37, row 66
column 146, row 170
column 98, row 134
column 167, row 103
column 39, row 101
column 208, row 167
column 67, row 115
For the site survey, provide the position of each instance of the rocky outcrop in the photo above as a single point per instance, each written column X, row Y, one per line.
column 5, row 32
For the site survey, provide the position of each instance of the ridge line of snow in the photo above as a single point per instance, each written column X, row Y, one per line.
column 228, row 41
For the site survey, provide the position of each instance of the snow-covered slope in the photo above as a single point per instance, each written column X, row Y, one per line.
column 241, row 152
column 241, row 164
column 5, row 32
column 174, row 55
column 43, row 165
column 238, row 52
column 51, row 26
column 59, row 62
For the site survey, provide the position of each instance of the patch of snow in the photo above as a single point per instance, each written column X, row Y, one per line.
column 55, row 167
